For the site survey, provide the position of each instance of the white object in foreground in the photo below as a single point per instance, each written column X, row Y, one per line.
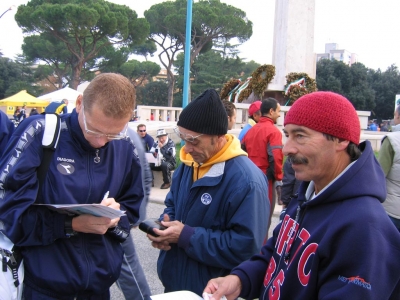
column 182, row 295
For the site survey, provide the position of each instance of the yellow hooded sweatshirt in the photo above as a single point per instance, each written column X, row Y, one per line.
column 230, row 150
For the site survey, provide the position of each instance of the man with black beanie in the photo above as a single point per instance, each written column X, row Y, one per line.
column 216, row 205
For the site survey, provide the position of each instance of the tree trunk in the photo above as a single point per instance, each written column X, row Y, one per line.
column 171, row 87
column 76, row 76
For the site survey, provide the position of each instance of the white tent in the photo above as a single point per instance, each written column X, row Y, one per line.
column 59, row 95
column 82, row 86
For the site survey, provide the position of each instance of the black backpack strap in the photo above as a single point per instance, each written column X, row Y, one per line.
column 49, row 143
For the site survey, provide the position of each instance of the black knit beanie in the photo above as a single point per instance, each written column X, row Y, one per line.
column 205, row 114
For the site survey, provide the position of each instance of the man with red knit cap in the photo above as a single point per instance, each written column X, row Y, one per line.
column 335, row 241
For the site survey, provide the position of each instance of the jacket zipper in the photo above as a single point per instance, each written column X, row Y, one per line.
column 286, row 256
column 97, row 158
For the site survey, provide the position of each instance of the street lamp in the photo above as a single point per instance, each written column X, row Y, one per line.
column 10, row 8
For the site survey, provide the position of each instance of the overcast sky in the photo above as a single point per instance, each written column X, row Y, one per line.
column 365, row 27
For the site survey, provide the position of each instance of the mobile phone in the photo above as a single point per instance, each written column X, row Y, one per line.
column 149, row 224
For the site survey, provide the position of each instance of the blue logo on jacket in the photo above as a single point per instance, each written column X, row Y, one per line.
column 206, row 198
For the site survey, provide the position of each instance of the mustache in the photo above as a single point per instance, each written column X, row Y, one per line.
column 297, row 160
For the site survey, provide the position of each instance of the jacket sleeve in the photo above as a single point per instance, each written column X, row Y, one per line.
column 276, row 144
column 288, row 183
column 252, row 272
column 169, row 199
column 147, row 180
column 245, row 228
column 130, row 198
column 25, row 223
column 243, row 132
column 154, row 147
column 147, row 177
column 6, row 130
column 131, row 195
column 386, row 155
column 148, row 142
column 365, row 269
column 169, row 151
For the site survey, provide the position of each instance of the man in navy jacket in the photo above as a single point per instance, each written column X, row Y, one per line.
column 148, row 141
column 73, row 256
column 217, row 209
column 335, row 241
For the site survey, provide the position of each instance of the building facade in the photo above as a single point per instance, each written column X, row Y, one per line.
column 332, row 51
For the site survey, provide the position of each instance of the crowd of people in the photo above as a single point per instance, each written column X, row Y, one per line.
column 339, row 235
column 20, row 114
column 384, row 126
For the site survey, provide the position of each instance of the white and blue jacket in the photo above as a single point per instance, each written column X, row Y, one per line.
column 55, row 264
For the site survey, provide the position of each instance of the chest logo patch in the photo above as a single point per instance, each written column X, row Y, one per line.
column 206, row 199
column 65, row 168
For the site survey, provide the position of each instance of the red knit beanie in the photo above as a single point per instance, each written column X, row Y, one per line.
column 326, row 112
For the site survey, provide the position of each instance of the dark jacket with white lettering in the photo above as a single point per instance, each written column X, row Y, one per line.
column 342, row 246
column 54, row 264
column 6, row 129
column 225, row 212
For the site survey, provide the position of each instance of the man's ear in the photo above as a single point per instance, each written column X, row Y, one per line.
column 342, row 144
column 79, row 104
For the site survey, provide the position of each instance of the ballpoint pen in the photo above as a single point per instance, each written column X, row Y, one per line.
column 106, row 195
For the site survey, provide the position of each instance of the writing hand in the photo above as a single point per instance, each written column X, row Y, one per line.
column 90, row 224
column 111, row 203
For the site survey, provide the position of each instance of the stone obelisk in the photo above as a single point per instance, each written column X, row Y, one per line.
column 293, row 48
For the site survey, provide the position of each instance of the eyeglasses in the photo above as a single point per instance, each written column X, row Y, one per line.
column 142, row 130
column 97, row 134
column 185, row 136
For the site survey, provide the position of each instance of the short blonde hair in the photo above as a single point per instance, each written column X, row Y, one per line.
column 114, row 93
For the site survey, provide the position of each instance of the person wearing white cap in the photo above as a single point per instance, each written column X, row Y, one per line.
column 164, row 151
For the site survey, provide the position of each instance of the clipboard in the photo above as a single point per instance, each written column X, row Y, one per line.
column 150, row 158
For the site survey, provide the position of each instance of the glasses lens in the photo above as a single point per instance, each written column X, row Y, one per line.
column 178, row 133
column 186, row 137
column 142, row 130
column 94, row 133
column 115, row 137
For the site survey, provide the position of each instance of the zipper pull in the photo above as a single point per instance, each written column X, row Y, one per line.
column 13, row 261
column 4, row 260
column 97, row 158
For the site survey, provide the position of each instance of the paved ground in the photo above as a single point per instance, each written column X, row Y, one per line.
column 148, row 255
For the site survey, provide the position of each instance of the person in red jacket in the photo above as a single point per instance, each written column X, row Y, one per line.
column 263, row 144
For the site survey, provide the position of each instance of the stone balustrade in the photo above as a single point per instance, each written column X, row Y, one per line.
column 169, row 116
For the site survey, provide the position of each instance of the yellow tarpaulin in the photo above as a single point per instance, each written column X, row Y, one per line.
column 8, row 105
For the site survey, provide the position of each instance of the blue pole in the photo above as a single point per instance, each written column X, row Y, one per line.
column 186, row 69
